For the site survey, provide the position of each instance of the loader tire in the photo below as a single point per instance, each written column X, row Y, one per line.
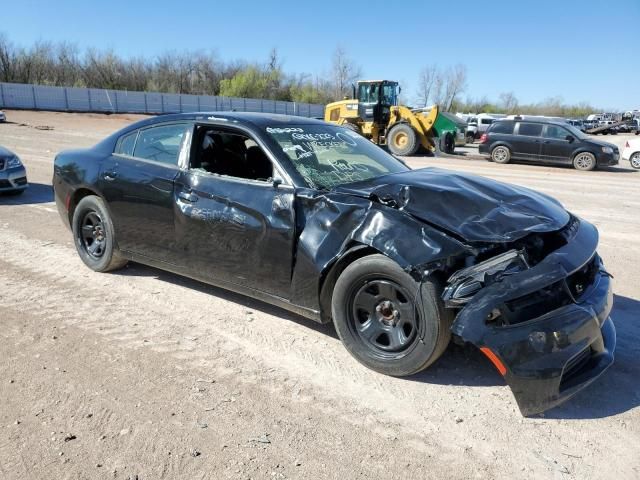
column 402, row 140
column 353, row 127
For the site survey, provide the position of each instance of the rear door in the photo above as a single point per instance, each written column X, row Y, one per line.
column 527, row 141
column 137, row 182
column 235, row 212
column 556, row 148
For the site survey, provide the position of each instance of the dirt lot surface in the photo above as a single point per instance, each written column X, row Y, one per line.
column 143, row 374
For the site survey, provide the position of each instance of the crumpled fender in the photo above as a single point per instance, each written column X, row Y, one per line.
column 333, row 223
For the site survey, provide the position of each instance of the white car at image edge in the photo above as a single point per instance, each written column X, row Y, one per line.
column 3, row 117
column 631, row 152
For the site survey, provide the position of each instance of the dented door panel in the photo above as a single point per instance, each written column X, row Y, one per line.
column 236, row 231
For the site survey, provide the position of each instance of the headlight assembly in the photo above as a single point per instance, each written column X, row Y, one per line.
column 14, row 162
column 607, row 149
column 465, row 283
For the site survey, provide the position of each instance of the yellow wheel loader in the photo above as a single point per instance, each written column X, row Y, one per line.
column 374, row 113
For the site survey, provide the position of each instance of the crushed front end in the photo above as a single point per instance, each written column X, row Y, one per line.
column 540, row 312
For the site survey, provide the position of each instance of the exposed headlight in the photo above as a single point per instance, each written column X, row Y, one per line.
column 14, row 162
column 607, row 149
column 465, row 283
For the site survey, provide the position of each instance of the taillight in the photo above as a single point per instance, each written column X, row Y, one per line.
column 483, row 138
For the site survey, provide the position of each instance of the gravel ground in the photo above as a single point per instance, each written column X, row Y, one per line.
column 144, row 374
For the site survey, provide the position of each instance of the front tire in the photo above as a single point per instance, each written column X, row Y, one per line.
column 584, row 161
column 635, row 160
column 501, row 154
column 402, row 140
column 388, row 321
column 94, row 236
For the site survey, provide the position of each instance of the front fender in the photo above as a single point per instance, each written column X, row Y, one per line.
column 332, row 223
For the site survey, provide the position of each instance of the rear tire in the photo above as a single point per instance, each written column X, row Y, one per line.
column 402, row 140
column 501, row 154
column 634, row 160
column 584, row 161
column 388, row 321
column 94, row 236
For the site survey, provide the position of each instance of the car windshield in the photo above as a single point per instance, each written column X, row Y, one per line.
column 327, row 156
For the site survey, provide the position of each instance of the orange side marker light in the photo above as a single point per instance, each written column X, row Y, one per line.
column 494, row 359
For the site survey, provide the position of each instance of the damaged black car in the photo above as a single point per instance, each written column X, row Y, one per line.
column 314, row 218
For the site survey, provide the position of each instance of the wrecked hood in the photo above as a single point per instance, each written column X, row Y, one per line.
column 474, row 208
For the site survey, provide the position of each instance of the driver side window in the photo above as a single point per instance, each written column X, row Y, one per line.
column 229, row 153
column 556, row 132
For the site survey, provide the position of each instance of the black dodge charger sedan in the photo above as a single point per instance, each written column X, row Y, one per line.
column 314, row 218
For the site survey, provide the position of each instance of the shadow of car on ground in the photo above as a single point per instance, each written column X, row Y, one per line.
column 35, row 193
column 614, row 393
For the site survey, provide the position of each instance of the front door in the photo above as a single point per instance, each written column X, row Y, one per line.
column 138, row 184
column 234, row 223
column 556, row 145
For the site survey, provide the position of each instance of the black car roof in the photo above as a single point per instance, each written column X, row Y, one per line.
column 533, row 120
column 255, row 118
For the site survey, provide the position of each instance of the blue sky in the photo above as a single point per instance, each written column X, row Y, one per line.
column 579, row 50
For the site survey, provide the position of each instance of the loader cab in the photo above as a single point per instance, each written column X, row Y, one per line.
column 375, row 98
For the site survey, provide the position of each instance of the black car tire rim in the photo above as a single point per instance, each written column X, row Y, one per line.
column 635, row 160
column 93, row 234
column 384, row 317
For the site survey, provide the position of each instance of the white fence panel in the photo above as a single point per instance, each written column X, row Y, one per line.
column 75, row 99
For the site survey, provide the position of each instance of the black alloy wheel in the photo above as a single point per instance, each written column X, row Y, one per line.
column 386, row 319
column 384, row 316
column 93, row 235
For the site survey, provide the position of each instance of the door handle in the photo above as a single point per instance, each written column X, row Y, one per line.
column 188, row 196
column 109, row 176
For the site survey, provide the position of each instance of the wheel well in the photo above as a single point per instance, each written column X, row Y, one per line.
column 496, row 145
column 78, row 195
column 328, row 280
column 583, row 151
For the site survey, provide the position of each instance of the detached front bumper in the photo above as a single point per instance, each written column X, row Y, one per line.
column 547, row 359
column 13, row 179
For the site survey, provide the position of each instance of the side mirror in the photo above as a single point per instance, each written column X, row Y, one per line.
column 276, row 182
column 569, row 138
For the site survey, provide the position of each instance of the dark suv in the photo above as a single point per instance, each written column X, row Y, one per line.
column 545, row 141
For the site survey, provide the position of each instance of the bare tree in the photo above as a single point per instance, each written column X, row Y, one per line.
column 8, row 61
column 426, row 82
column 438, row 89
column 344, row 73
column 455, row 80
column 508, row 102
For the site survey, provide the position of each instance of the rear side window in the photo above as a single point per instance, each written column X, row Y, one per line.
column 530, row 129
column 502, row 127
column 486, row 121
column 161, row 144
column 126, row 143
